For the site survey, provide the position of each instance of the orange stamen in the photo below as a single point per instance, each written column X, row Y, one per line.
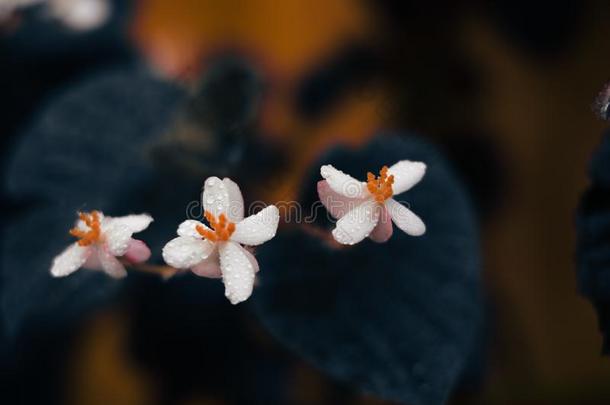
column 93, row 235
column 222, row 229
column 380, row 187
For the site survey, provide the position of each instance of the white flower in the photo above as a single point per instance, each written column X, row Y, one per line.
column 216, row 251
column 101, row 240
column 365, row 208
column 78, row 15
column 81, row 15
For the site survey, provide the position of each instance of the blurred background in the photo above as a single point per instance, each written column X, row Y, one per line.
column 503, row 88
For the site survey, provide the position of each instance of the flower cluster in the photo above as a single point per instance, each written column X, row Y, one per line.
column 222, row 247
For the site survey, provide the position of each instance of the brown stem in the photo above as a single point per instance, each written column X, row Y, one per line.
column 166, row 272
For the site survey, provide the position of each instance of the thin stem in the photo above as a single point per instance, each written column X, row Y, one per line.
column 166, row 272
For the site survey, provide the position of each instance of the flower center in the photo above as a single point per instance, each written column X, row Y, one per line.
column 222, row 229
column 380, row 187
column 93, row 235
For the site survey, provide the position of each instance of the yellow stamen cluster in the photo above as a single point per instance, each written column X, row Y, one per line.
column 86, row 238
column 380, row 187
column 222, row 229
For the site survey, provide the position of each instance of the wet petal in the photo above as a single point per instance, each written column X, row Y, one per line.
column 342, row 183
column 70, row 260
column 405, row 219
column 185, row 252
column 209, row 267
column 336, row 204
column 357, row 224
column 136, row 223
column 237, row 272
column 189, row 228
column 252, row 260
column 406, row 174
column 258, row 228
column 383, row 230
column 117, row 236
column 215, row 196
column 235, row 212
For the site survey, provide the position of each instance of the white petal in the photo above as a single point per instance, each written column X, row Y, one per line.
column 110, row 264
column 136, row 223
column 209, row 267
column 184, row 252
column 215, row 196
column 237, row 272
column 70, row 260
column 235, row 211
column 342, row 183
column 404, row 218
column 188, row 228
column 116, row 237
column 336, row 204
column 406, row 174
column 252, row 260
column 357, row 224
column 258, row 228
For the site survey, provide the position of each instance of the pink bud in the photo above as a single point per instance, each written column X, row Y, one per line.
column 137, row 252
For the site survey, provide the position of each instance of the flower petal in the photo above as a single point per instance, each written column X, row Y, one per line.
column 215, row 196
column 383, row 230
column 252, row 260
column 209, row 267
column 70, row 260
column 406, row 174
column 117, row 236
column 237, row 272
column 342, row 183
column 405, row 219
column 136, row 223
column 336, row 204
column 357, row 224
column 258, row 228
column 185, row 252
column 189, row 228
column 137, row 252
column 110, row 264
column 93, row 261
column 235, row 211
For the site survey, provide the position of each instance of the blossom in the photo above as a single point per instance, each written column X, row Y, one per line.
column 365, row 208
column 101, row 240
column 216, row 251
column 78, row 15
column 81, row 15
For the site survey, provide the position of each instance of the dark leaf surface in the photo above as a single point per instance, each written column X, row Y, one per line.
column 397, row 320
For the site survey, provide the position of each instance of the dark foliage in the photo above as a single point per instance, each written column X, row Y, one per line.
column 398, row 320
column 593, row 251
